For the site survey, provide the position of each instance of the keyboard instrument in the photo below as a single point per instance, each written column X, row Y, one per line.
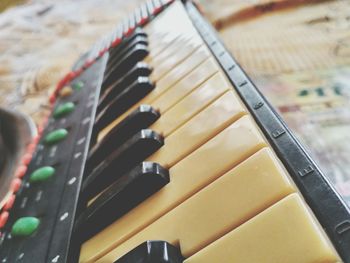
column 160, row 148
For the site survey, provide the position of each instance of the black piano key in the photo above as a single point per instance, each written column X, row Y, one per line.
column 121, row 160
column 139, row 119
column 127, row 98
column 124, row 49
column 112, row 62
column 120, row 197
column 141, row 69
column 122, row 66
column 138, row 32
column 153, row 251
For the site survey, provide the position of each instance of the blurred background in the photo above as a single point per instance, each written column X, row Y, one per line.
column 297, row 53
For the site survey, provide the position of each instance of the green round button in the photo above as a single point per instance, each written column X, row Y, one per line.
column 42, row 174
column 56, row 136
column 25, row 226
column 63, row 109
column 78, row 85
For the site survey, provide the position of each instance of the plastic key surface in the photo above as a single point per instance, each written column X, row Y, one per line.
column 138, row 53
column 286, row 232
column 153, row 252
column 127, row 98
column 139, row 119
column 127, row 39
column 121, row 160
column 198, row 130
column 170, row 80
column 226, row 203
column 118, row 55
column 195, row 102
column 119, row 198
column 220, row 154
column 141, row 69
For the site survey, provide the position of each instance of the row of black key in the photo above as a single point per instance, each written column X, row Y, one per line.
column 116, row 171
column 139, row 18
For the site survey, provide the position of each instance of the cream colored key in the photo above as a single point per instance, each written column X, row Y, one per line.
column 162, row 50
column 156, row 59
column 173, row 19
column 198, row 117
column 234, row 198
column 192, row 104
column 178, row 73
column 198, row 130
column 230, row 147
column 179, row 56
column 187, row 85
column 157, row 46
column 286, row 232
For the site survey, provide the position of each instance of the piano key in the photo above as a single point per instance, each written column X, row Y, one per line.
column 201, row 128
column 238, row 195
column 137, row 15
column 120, row 50
column 188, row 84
column 162, row 41
column 138, row 53
column 127, row 98
column 144, row 14
column 117, row 56
column 125, row 25
column 167, row 82
column 139, row 119
column 168, row 64
column 178, row 72
column 174, row 20
column 225, row 109
column 286, row 232
column 117, row 40
column 187, row 107
column 120, row 197
column 157, row 6
column 138, row 32
column 132, row 22
column 220, row 154
column 121, row 160
column 153, row 252
column 166, row 50
column 150, row 7
column 141, row 69
column 194, row 103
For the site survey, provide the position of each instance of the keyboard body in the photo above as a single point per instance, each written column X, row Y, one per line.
column 159, row 148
